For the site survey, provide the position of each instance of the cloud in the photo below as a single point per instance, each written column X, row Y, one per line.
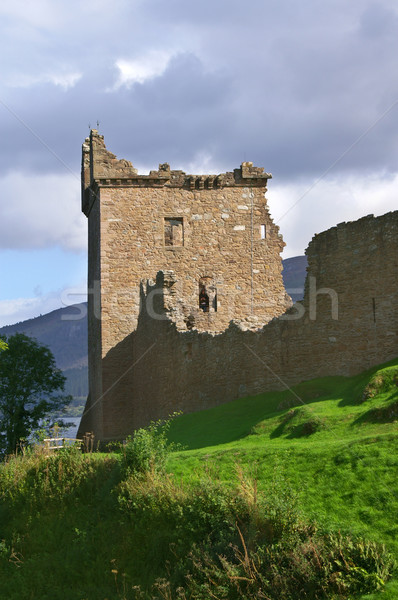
column 142, row 68
column 301, row 210
column 64, row 80
column 38, row 211
column 290, row 86
column 21, row 309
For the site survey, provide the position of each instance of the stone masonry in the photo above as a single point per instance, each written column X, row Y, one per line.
column 157, row 241
column 208, row 233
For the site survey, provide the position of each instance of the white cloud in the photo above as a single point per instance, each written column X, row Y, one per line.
column 140, row 69
column 21, row 309
column 301, row 211
column 40, row 14
column 60, row 17
column 204, row 163
column 61, row 79
column 39, row 211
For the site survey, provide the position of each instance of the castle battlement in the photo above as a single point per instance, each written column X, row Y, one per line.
column 101, row 168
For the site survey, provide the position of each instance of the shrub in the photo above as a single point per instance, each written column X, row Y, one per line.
column 312, row 566
column 147, row 449
column 36, row 478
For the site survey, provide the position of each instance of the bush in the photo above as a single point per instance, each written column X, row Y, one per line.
column 147, row 449
column 37, row 478
column 313, row 567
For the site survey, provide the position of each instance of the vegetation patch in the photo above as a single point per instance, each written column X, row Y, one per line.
column 299, row 422
column 381, row 382
column 386, row 413
column 254, row 513
column 81, row 523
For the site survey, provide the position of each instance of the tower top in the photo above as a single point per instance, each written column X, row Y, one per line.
column 101, row 168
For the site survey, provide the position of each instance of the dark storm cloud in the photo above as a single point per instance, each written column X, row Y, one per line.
column 288, row 85
column 300, row 88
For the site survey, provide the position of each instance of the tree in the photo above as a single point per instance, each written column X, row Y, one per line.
column 31, row 388
column 3, row 345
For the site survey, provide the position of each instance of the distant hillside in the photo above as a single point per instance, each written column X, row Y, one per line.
column 67, row 337
column 294, row 273
column 64, row 335
column 67, row 340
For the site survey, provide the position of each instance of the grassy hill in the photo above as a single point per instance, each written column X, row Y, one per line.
column 255, row 475
column 333, row 441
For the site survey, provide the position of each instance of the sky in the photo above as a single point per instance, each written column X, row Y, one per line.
column 308, row 90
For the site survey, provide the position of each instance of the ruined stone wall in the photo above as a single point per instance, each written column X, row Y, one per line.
column 153, row 351
column 218, row 246
column 347, row 322
column 358, row 261
column 211, row 231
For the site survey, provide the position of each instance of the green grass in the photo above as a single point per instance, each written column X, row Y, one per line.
column 80, row 528
column 332, row 440
column 336, row 400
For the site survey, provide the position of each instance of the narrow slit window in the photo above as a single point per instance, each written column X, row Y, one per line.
column 207, row 294
column 263, row 232
column 173, row 231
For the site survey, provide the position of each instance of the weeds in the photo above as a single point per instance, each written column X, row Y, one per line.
column 241, row 544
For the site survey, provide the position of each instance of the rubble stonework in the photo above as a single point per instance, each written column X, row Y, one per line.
column 156, row 240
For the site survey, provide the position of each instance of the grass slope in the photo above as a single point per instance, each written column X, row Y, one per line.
column 78, row 528
column 338, row 401
column 332, row 440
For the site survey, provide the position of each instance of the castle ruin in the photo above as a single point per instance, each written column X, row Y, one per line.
column 186, row 302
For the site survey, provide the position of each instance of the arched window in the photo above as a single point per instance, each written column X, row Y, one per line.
column 204, row 300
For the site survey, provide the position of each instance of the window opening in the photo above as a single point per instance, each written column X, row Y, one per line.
column 215, row 302
column 207, row 294
column 263, row 232
column 173, row 231
column 204, row 301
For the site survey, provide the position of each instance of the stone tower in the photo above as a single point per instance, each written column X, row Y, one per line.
column 196, row 250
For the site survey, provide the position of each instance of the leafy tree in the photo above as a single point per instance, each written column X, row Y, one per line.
column 31, row 388
column 3, row 345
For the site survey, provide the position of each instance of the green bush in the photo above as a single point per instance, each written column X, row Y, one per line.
column 147, row 449
column 311, row 566
column 169, row 540
column 37, row 478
